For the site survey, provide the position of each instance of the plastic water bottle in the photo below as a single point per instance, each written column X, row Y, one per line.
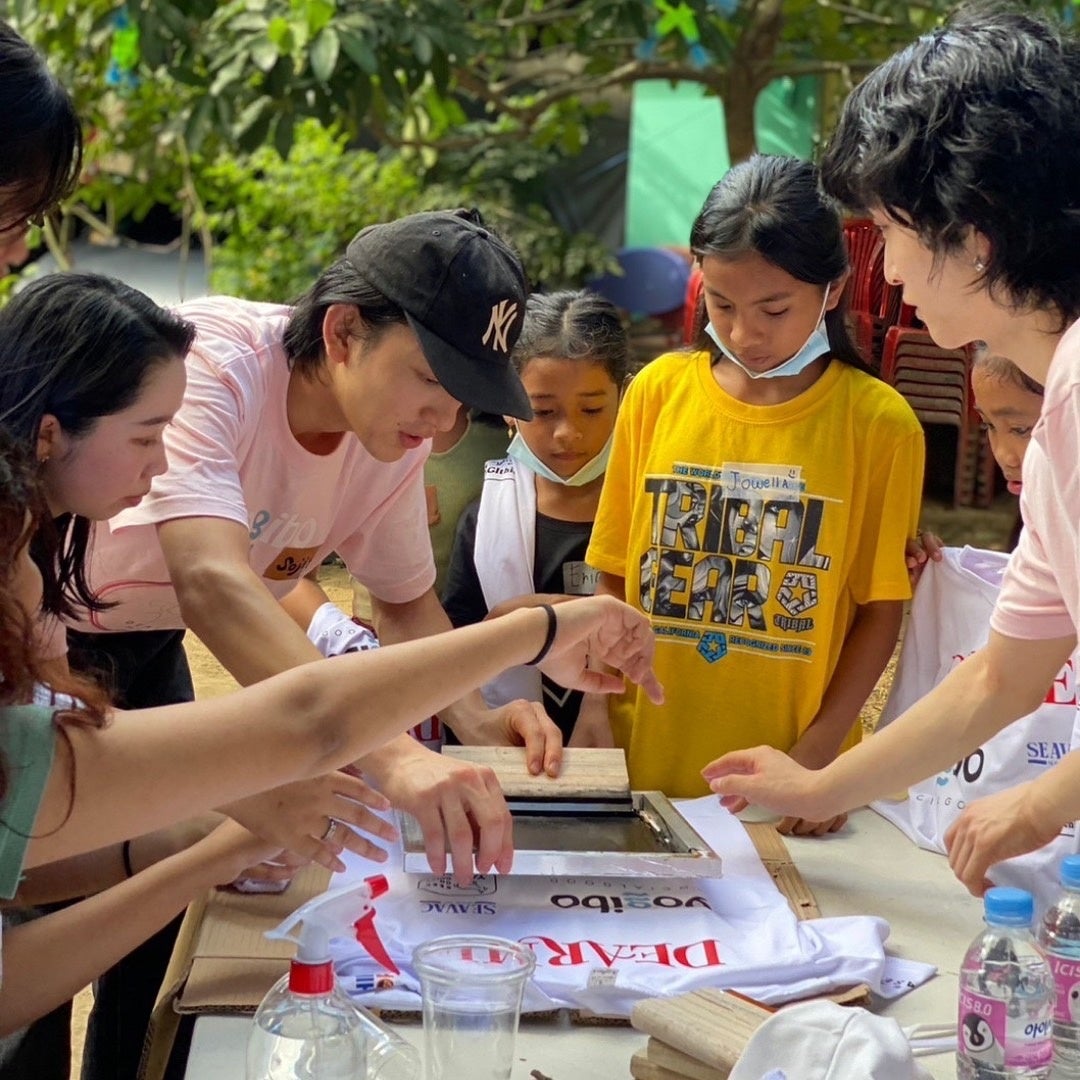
column 389, row 1056
column 307, row 1029
column 1006, row 996
column 1059, row 939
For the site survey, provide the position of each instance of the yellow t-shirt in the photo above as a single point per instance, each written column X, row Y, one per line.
column 749, row 534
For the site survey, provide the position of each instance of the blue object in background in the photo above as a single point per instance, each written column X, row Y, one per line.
column 652, row 282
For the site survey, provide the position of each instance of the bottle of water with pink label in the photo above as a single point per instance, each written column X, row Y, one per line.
column 1006, row 1015
column 1059, row 939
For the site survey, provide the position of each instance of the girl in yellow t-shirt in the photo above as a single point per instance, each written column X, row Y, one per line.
column 758, row 499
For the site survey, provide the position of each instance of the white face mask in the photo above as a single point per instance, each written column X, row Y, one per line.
column 816, row 345
column 520, row 450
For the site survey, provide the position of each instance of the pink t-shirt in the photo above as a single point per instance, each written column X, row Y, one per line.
column 1040, row 596
column 231, row 455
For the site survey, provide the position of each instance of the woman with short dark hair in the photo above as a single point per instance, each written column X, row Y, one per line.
column 965, row 150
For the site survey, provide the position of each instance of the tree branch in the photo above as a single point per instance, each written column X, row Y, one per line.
column 552, row 13
column 588, row 86
column 859, row 13
column 481, row 137
column 799, row 68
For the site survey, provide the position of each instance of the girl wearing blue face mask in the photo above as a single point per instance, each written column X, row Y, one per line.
column 524, row 541
column 758, row 499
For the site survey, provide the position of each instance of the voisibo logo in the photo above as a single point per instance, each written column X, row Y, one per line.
column 612, row 904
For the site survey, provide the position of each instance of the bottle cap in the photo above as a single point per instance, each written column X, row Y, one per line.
column 1070, row 871
column 1009, row 907
column 309, row 979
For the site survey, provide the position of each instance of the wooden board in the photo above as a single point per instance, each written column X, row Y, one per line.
column 642, row 1067
column 585, row 773
column 776, row 859
column 711, row 1026
column 667, row 1057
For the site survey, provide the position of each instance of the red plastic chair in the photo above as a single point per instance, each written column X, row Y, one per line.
column 874, row 305
column 693, row 306
column 936, row 382
column 865, row 246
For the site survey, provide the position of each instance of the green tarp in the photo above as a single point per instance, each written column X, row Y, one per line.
column 678, row 150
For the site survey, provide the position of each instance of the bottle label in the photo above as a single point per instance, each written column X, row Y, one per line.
column 1066, row 974
column 990, row 1036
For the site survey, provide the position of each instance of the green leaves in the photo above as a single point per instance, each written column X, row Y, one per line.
column 467, row 100
column 324, row 53
column 282, row 220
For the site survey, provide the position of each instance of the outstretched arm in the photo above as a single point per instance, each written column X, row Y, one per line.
column 593, row 726
column 1004, row 680
column 302, row 603
column 454, row 801
column 156, row 766
column 517, row 723
column 94, row 871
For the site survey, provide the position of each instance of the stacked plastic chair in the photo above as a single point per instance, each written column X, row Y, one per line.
column 693, row 313
column 866, row 255
column 936, row 382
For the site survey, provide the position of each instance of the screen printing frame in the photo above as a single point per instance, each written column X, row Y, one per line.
column 574, row 838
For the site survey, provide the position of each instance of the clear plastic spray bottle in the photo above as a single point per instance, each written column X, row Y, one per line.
column 307, row 1028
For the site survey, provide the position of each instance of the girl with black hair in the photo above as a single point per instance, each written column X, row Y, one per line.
column 759, row 495
column 524, row 540
column 40, row 144
column 91, row 372
column 965, row 149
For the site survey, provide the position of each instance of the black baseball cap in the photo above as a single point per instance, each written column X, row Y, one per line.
column 463, row 292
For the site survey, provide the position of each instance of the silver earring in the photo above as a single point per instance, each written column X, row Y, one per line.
column 980, row 266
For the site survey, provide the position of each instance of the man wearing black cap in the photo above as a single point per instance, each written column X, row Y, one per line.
column 304, row 431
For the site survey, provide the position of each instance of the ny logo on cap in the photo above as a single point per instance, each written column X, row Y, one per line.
column 502, row 315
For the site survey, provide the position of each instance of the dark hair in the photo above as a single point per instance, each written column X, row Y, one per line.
column 573, row 326
column 1003, row 369
column 22, row 507
column 341, row 283
column 975, row 126
column 772, row 205
column 40, row 138
column 77, row 347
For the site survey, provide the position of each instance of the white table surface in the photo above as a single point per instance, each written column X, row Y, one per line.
column 869, row 869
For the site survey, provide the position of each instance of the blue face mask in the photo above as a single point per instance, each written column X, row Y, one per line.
column 817, row 344
column 519, row 450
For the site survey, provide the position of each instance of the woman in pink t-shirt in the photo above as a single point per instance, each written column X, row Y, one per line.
column 77, row 776
column 965, row 150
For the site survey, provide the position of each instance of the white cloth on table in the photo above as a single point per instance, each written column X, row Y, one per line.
column 603, row 944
